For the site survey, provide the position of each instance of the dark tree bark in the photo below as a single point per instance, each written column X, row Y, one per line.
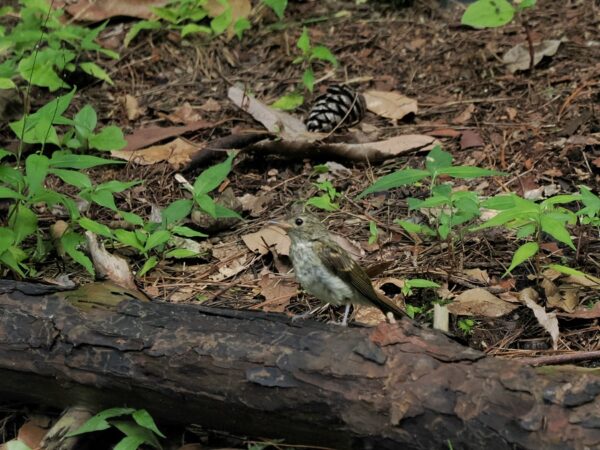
column 389, row 387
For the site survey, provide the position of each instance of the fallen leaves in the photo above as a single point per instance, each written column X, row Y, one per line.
column 178, row 153
column 266, row 239
column 277, row 292
column 518, row 58
column 480, row 302
column 547, row 320
column 391, row 105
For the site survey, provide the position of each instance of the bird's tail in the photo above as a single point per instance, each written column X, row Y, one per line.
column 387, row 305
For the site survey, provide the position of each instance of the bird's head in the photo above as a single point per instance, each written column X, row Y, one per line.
column 303, row 227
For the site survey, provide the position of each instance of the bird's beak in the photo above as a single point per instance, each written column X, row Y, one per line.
column 281, row 224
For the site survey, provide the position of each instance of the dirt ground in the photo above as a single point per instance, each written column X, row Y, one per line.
column 540, row 126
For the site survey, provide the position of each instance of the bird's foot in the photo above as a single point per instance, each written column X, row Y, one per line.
column 303, row 316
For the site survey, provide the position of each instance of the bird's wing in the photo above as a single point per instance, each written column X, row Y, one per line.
column 337, row 261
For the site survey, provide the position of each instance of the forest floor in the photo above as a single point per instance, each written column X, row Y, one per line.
column 541, row 127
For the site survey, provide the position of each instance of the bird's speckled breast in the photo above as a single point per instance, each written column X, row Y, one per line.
column 315, row 278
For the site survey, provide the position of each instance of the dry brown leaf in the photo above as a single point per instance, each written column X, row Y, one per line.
column 391, row 105
column 277, row 292
column 480, row 302
column 478, row 275
column 266, row 238
column 465, row 115
column 368, row 315
column 470, row 139
column 256, row 204
column 518, row 58
column 511, row 113
column 178, row 153
column 444, row 132
column 210, row 105
column 94, row 10
column 108, row 265
column 284, row 124
column 184, row 114
column 143, row 137
column 584, row 313
column 232, row 260
column 132, row 107
column 547, row 320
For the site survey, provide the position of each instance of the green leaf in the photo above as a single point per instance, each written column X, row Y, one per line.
column 415, row 227
column 36, row 169
column 96, row 71
column 139, row 26
column 109, row 138
column 187, row 232
column 180, row 253
column 68, row 160
column 74, row 178
column 129, row 443
column 523, row 253
column 39, row 70
column 241, row 25
column 220, row 23
column 437, row 159
column 134, row 430
column 304, row 42
column 278, row 6
column 132, row 218
column 192, row 28
column 526, row 230
column 323, row 53
column 128, row 238
column 222, row 211
column 24, row 222
column 500, row 202
column 156, row 239
column 488, row 14
column 394, row 180
column 212, row 177
column 524, row 4
column 323, row 202
column 12, row 258
column 289, row 102
column 7, row 83
column 16, row 445
column 12, row 177
column 98, row 422
column 421, row 283
column 85, row 121
column 308, row 79
column 507, row 216
column 9, row 193
column 148, row 265
column 373, row 231
column 95, row 227
column 71, row 242
column 5, row 153
column 557, row 230
column 143, row 419
column 176, row 211
column 469, row 172
column 7, row 239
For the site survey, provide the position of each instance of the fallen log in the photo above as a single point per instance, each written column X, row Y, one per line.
column 256, row 374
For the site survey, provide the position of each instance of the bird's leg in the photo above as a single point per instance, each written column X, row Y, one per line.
column 308, row 314
column 346, row 312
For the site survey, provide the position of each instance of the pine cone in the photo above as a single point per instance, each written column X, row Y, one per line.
column 339, row 103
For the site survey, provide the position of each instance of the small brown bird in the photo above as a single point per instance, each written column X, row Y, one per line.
column 327, row 271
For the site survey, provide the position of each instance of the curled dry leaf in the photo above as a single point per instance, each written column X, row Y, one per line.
column 465, row 115
column 391, row 105
column 132, row 107
column 477, row 275
column 232, row 260
column 368, row 315
column 108, row 265
column 266, row 238
column 547, row 320
column 518, row 57
column 286, row 125
column 480, row 302
column 210, row 105
column 178, row 153
column 143, row 137
column 277, row 292
column 95, row 11
column 256, row 204
column 184, row 114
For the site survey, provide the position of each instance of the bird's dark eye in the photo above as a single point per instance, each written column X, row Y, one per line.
column 299, row 221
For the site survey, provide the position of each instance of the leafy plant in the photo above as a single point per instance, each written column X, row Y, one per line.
column 42, row 46
column 325, row 201
column 466, row 325
column 139, row 428
column 373, row 232
column 409, row 285
column 532, row 220
column 309, row 54
column 494, row 13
